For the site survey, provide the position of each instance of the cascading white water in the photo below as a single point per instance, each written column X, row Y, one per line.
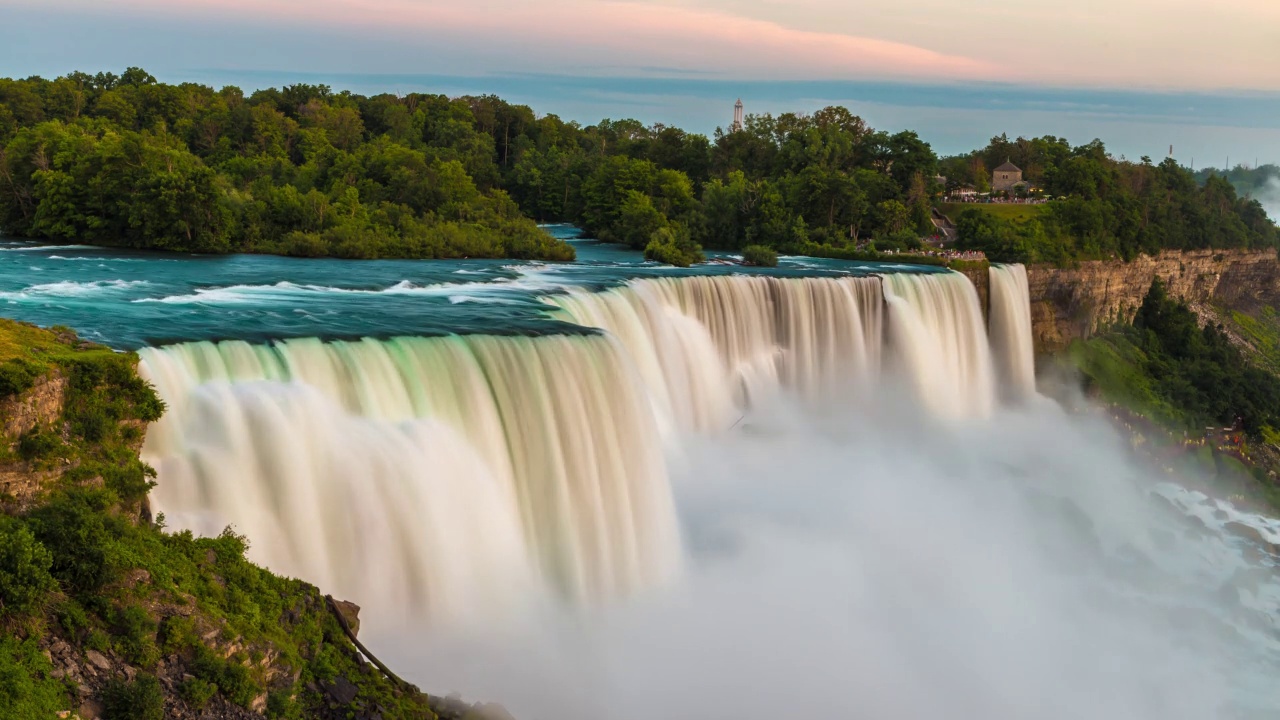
column 1010, row 329
column 937, row 334
column 707, row 345
column 423, row 474
column 420, row 473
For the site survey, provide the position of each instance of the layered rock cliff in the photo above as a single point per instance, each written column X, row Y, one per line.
column 1072, row 303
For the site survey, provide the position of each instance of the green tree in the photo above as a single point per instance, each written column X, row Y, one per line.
column 24, row 569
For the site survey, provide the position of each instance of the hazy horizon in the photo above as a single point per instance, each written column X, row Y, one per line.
column 958, row 76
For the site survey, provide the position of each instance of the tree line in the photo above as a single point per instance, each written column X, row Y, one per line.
column 303, row 170
column 1103, row 207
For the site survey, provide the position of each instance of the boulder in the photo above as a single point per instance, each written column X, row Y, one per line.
column 342, row 691
column 1251, row 534
column 351, row 613
column 97, row 659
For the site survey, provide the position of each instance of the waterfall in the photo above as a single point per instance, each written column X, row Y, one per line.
column 441, row 476
column 708, row 346
column 937, row 334
column 1010, row 329
column 426, row 473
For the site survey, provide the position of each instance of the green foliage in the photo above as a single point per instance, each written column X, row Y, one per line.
column 281, row 706
column 82, row 548
column 305, row 171
column 1104, row 208
column 79, row 534
column 673, row 246
column 1165, row 363
column 231, row 678
column 197, row 692
column 900, row 241
column 36, row 444
column 73, row 620
column 24, row 569
column 16, row 376
column 135, row 633
column 141, row 699
column 759, row 255
column 26, row 690
column 1014, row 212
column 185, row 168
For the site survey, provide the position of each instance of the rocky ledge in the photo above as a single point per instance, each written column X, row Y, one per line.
column 1072, row 303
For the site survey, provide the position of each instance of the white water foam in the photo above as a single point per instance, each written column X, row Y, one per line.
column 70, row 288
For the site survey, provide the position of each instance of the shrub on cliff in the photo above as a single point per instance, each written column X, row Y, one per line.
column 139, row 699
column 74, row 527
column 16, row 376
column 26, row 690
column 24, row 569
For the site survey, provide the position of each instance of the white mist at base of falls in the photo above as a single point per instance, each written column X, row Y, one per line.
column 805, row 487
column 882, row 565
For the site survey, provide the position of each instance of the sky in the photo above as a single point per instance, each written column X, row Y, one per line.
column 1141, row 74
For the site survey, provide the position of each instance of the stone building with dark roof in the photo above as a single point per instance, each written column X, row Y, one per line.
column 1006, row 177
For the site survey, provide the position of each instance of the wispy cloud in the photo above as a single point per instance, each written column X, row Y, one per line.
column 580, row 35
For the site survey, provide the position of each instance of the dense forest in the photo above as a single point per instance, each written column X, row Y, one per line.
column 302, row 170
column 1164, row 363
column 1261, row 182
column 1103, row 208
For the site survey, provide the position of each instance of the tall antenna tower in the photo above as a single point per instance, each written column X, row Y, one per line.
column 737, row 116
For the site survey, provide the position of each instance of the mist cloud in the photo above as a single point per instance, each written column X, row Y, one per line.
column 878, row 564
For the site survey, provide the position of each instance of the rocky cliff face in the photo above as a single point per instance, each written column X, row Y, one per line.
column 41, row 405
column 1071, row 303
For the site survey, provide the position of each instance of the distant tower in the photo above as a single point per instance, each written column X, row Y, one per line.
column 737, row 116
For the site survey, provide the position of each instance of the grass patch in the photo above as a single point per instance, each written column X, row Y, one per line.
column 1113, row 367
column 1263, row 333
column 1004, row 211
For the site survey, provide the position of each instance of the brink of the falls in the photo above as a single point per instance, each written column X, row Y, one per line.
column 423, row 474
column 1010, row 327
column 443, row 476
column 936, row 332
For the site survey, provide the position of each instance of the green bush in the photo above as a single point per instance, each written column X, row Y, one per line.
column 142, row 699
column 282, row 706
column 26, row 690
column 198, row 692
column 24, row 569
column 16, row 376
column 73, row 620
column 135, row 632
column 759, row 255
column 93, row 424
column 233, row 679
column 36, row 444
column 73, row 526
column 177, row 633
column 672, row 245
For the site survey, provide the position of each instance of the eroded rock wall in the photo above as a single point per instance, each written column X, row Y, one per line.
column 1072, row 303
column 39, row 406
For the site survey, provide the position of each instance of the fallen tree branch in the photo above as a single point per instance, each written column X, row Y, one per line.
column 346, row 629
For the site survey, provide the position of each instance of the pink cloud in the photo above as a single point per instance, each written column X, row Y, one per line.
column 577, row 35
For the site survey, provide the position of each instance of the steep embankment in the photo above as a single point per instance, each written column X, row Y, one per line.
column 105, row 615
column 1072, row 303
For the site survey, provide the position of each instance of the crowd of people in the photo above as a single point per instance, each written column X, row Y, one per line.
column 943, row 254
column 995, row 199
